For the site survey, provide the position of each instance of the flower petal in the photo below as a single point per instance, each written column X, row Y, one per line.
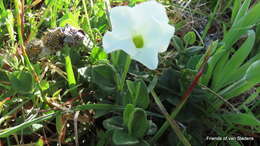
column 166, row 35
column 153, row 9
column 122, row 20
column 158, row 35
column 112, row 42
column 148, row 57
column 147, row 20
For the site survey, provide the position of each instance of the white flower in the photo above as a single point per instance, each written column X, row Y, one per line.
column 141, row 31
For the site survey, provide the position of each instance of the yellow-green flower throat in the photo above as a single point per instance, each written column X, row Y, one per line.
column 138, row 41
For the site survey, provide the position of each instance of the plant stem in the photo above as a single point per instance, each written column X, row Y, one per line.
column 179, row 106
column 172, row 122
column 211, row 18
column 19, row 10
column 184, row 98
column 108, row 7
column 92, row 37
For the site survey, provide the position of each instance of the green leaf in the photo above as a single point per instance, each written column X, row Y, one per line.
column 235, row 89
column 235, row 9
column 211, row 64
column 122, row 138
column 152, row 84
column 242, row 11
column 169, row 82
column 242, row 25
column 236, row 60
column 258, row 36
column 97, row 54
column 242, row 119
column 71, row 19
column 104, row 76
column 247, row 82
column 70, row 73
column 2, row 6
column 127, row 112
column 218, row 70
column 119, row 60
column 45, row 85
column 139, row 93
column 22, row 81
column 252, row 74
column 193, row 61
column 177, row 43
column 113, row 123
column 190, row 38
column 250, row 79
column 138, row 116
column 239, row 73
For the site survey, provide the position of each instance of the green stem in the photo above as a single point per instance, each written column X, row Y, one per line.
column 166, row 124
column 19, row 24
column 170, row 121
column 88, row 22
column 211, row 18
column 108, row 7
column 20, row 28
column 184, row 98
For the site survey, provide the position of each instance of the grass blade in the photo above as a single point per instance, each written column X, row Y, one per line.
column 15, row 129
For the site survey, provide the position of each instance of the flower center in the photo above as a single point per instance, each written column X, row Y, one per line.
column 138, row 41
